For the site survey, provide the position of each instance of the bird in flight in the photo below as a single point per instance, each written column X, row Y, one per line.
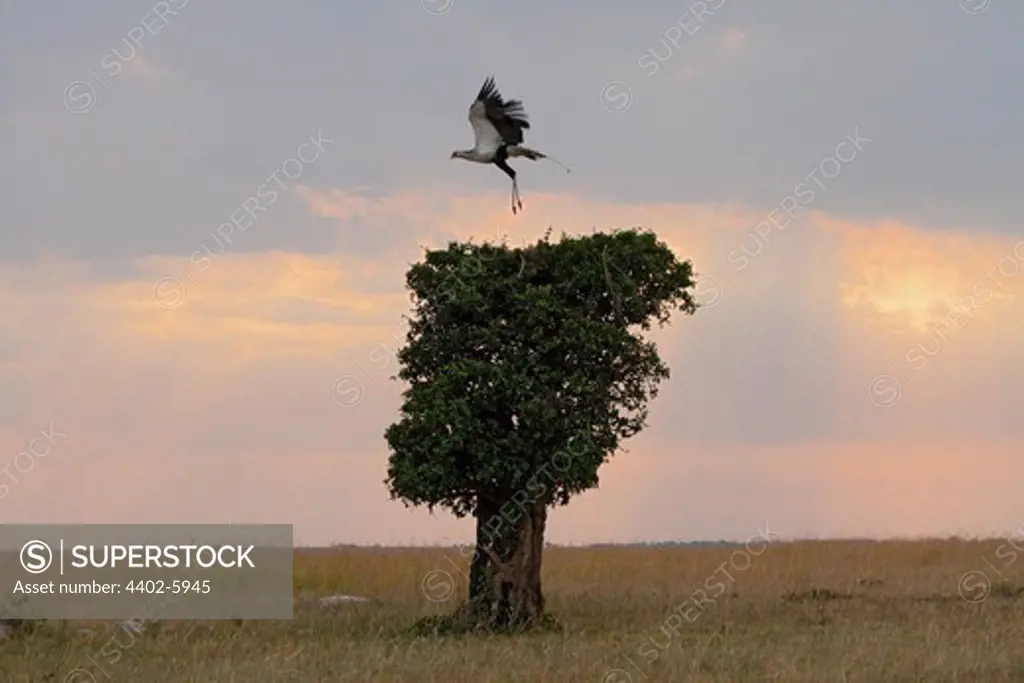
column 498, row 126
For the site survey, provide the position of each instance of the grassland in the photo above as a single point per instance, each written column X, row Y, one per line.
column 807, row 611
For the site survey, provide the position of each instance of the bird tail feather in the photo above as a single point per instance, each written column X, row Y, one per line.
column 533, row 155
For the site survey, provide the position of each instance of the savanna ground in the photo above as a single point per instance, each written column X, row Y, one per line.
column 803, row 611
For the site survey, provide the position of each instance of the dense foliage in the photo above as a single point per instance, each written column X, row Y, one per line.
column 516, row 355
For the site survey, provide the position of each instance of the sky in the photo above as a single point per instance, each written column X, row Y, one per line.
column 207, row 211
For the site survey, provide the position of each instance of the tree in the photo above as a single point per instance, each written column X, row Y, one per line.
column 524, row 378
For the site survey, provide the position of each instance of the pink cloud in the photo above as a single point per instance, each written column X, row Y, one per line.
column 222, row 406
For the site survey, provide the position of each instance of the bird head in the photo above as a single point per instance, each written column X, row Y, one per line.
column 454, row 155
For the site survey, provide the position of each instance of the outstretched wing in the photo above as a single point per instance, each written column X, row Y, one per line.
column 495, row 121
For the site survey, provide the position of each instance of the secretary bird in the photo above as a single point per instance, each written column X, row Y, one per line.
column 498, row 127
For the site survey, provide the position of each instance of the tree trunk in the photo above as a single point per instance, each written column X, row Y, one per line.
column 504, row 581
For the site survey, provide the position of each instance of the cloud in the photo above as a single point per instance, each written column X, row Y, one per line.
column 689, row 72
column 734, row 41
column 913, row 283
column 143, row 68
column 227, row 405
column 869, row 328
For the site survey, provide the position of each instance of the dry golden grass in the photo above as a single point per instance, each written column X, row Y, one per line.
column 806, row 611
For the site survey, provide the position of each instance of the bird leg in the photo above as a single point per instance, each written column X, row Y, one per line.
column 499, row 161
column 515, row 197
